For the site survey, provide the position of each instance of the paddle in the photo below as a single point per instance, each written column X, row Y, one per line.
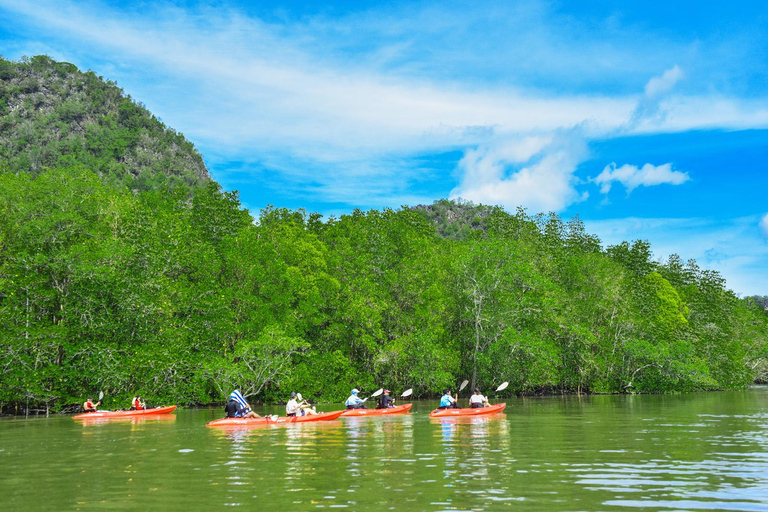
column 463, row 385
column 101, row 395
column 502, row 387
column 375, row 394
column 407, row 392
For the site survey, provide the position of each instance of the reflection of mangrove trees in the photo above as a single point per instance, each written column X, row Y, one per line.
column 180, row 294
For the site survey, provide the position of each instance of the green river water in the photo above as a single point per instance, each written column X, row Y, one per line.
column 705, row 451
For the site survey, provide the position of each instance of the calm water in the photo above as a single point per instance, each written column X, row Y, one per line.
column 705, row 451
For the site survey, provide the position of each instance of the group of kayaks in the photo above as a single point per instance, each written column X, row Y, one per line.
column 325, row 416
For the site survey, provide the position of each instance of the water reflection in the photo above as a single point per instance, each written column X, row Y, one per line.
column 700, row 452
column 133, row 420
column 736, row 479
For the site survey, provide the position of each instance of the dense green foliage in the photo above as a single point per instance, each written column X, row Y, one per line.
column 184, row 296
column 52, row 115
column 124, row 268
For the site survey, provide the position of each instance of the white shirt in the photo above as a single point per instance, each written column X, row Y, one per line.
column 477, row 398
column 292, row 407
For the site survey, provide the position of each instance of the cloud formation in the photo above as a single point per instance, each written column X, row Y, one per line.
column 661, row 84
column 535, row 172
column 764, row 225
column 343, row 107
column 632, row 177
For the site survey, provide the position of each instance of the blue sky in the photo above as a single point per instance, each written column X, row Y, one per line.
column 648, row 121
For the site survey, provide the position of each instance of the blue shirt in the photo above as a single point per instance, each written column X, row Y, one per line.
column 353, row 400
column 446, row 401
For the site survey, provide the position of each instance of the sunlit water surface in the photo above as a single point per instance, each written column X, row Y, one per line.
column 706, row 451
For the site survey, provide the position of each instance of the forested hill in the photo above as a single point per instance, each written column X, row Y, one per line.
column 456, row 219
column 113, row 278
column 53, row 115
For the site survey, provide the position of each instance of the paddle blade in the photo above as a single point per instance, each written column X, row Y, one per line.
column 503, row 386
column 377, row 392
column 101, row 395
column 407, row 392
column 463, row 385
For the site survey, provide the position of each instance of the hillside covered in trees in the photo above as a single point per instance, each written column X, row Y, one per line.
column 178, row 293
column 52, row 114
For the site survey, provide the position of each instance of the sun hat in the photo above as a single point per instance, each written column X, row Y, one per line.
column 293, row 394
column 355, row 391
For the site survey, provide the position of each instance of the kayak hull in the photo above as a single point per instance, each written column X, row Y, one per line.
column 246, row 422
column 452, row 413
column 356, row 413
column 133, row 420
column 125, row 414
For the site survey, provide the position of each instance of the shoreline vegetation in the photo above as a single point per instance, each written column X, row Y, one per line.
column 125, row 269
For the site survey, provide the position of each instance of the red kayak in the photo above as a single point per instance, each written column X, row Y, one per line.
column 400, row 409
column 450, row 413
column 230, row 422
column 123, row 414
column 134, row 420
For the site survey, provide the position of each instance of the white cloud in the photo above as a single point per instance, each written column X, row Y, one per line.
column 535, row 172
column 764, row 225
column 661, row 84
column 632, row 177
column 346, row 109
column 649, row 109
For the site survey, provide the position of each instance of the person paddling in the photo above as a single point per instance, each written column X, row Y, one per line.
column 237, row 407
column 138, row 404
column 304, row 406
column 477, row 400
column 354, row 401
column 447, row 401
column 386, row 401
column 89, row 406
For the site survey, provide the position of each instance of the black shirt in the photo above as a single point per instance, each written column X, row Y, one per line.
column 231, row 408
column 385, row 402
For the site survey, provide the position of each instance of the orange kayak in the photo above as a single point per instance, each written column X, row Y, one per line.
column 229, row 422
column 399, row 409
column 451, row 413
column 135, row 420
column 124, row 414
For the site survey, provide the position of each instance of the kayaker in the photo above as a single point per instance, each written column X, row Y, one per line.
column 137, row 404
column 304, row 406
column 477, row 400
column 354, row 401
column 237, row 407
column 292, row 407
column 386, row 401
column 447, row 401
column 89, row 406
